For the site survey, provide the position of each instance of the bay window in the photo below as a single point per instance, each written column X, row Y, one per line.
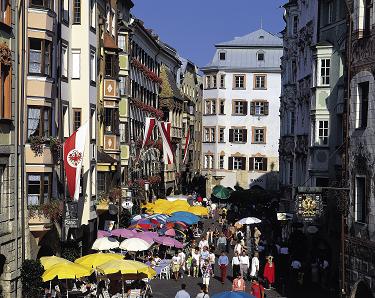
column 111, row 118
column 39, row 186
column 38, row 122
column 46, row 4
column 40, row 51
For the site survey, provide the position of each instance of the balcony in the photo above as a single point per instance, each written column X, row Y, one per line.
column 39, row 223
column 110, row 89
column 111, row 143
column 286, row 145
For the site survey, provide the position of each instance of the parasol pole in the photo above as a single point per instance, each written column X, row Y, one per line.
column 122, row 285
column 67, row 290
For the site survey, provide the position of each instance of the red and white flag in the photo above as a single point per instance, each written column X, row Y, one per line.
column 74, row 148
column 149, row 127
column 165, row 132
column 187, row 143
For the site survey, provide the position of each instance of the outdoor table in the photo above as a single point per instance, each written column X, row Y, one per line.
column 162, row 264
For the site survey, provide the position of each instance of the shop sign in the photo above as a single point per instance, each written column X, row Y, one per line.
column 309, row 206
column 71, row 219
column 127, row 204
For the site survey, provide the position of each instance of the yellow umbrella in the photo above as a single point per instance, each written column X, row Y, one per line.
column 178, row 209
column 94, row 260
column 48, row 262
column 66, row 271
column 126, row 267
column 198, row 210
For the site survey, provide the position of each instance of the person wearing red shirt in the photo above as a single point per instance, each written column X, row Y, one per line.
column 257, row 289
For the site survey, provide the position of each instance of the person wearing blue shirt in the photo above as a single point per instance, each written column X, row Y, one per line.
column 223, row 263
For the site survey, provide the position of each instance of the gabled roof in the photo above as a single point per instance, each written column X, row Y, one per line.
column 259, row 38
column 169, row 87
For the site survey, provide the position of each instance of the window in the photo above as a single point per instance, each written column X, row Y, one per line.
column 260, row 56
column 323, row 132
column 122, row 43
column 360, row 200
column 291, row 169
column 93, row 65
column 5, row 92
column 222, row 81
column 123, row 85
column 38, row 122
column 325, row 65
column 92, row 122
column 209, row 134
column 239, row 82
column 294, row 72
column 111, row 120
column 330, row 12
column 214, row 83
column 6, row 12
column 113, row 18
column 76, row 63
column 238, row 135
column 292, row 120
column 46, row 4
column 259, row 108
column 367, row 16
column 108, row 16
column 237, row 163
column 239, row 107
column 40, row 57
column 210, row 107
column 208, row 82
column 221, row 162
column 3, row 184
column 258, row 164
column 110, row 65
column 221, row 107
column 66, row 121
column 222, row 56
column 295, row 25
column 65, row 10
column 362, row 105
column 208, row 161
column 77, row 119
column 100, row 176
column 259, row 135
column 260, row 82
column 77, row 12
column 38, row 188
column 221, row 134
column 64, row 60
column 93, row 14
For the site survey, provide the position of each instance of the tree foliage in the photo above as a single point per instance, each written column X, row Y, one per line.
column 31, row 278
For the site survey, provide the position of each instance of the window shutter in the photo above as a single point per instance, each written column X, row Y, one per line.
column 243, row 163
column 264, row 164
column 231, row 133
column 245, row 108
column 244, row 135
column 230, row 163
column 251, row 164
column 252, row 108
column 266, row 108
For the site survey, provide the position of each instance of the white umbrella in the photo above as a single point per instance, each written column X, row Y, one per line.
column 249, row 221
column 135, row 244
column 105, row 243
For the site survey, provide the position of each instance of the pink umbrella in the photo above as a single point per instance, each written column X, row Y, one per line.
column 168, row 241
column 125, row 233
column 102, row 234
column 146, row 238
column 170, row 232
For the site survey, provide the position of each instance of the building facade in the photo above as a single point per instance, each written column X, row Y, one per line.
column 240, row 97
column 360, row 238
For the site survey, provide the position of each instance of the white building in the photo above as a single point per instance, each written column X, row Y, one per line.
column 241, row 112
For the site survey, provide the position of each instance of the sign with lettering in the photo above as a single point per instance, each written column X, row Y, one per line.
column 71, row 219
column 309, row 206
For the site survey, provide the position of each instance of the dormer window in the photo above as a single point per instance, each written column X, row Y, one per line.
column 222, row 56
column 260, row 56
column 261, row 37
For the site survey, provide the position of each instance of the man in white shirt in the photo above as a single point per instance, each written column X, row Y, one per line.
column 182, row 293
column 235, row 265
column 182, row 257
column 254, row 265
column 203, row 243
column 244, row 264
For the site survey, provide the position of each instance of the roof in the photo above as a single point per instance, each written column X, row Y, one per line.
column 105, row 158
column 169, row 87
column 258, row 38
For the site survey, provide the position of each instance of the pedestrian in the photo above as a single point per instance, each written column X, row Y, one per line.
column 182, row 293
column 211, row 258
column 244, row 264
column 204, row 255
column 206, row 273
column 269, row 271
column 223, row 263
column 222, row 242
column 257, row 235
column 189, row 262
column 239, row 284
column 195, row 261
column 182, row 257
column 235, row 265
column 203, row 292
column 254, row 265
column 203, row 243
column 257, row 289
column 176, row 264
column 238, row 248
column 210, row 236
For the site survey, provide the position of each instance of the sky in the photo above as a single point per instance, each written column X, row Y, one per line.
column 193, row 27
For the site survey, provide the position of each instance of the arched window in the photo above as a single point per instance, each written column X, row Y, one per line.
column 260, row 56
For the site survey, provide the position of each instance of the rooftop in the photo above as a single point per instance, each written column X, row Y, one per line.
column 258, row 38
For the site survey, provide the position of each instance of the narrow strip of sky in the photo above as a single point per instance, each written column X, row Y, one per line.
column 194, row 26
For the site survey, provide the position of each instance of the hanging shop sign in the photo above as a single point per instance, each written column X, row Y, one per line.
column 127, row 204
column 71, row 219
column 309, row 206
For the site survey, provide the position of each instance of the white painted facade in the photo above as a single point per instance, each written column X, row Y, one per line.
column 242, row 59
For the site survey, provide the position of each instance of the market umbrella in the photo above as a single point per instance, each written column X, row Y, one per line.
column 135, row 244
column 221, row 192
column 144, row 236
column 231, row 294
column 186, row 217
column 170, row 232
column 94, row 260
column 48, row 262
column 105, row 243
column 249, row 221
column 125, row 233
column 66, row 271
column 102, row 234
column 161, row 218
column 168, row 241
column 178, row 225
column 199, row 210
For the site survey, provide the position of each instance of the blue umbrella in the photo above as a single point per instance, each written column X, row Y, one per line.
column 184, row 218
column 231, row 294
column 186, row 214
column 161, row 218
